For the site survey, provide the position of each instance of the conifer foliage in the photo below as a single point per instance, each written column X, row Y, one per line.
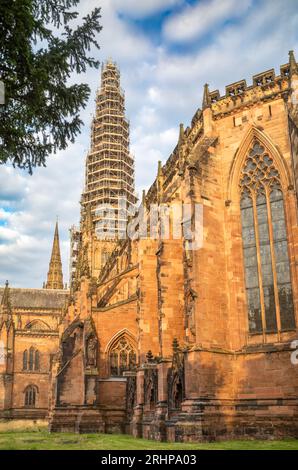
column 42, row 43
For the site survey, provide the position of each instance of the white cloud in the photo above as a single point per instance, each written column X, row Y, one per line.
column 143, row 8
column 149, row 147
column 196, row 20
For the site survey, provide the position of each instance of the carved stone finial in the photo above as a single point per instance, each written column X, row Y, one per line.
column 159, row 169
column 293, row 64
column 206, row 97
column 181, row 134
column 149, row 356
column 5, row 307
column 143, row 197
column 175, row 345
column 159, row 180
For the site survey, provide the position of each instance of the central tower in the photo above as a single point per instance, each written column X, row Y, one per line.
column 109, row 165
column 109, row 178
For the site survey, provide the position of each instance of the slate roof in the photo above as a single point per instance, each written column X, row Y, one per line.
column 36, row 298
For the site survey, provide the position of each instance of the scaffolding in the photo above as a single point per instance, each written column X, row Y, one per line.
column 109, row 164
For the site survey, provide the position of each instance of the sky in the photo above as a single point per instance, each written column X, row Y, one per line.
column 166, row 50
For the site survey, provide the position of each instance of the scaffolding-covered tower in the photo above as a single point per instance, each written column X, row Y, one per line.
column 109, row 165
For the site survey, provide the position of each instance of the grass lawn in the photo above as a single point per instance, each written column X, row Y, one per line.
column 42, row 440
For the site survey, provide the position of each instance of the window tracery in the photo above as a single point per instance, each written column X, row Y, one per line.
column 122, row 357
column 265, row 245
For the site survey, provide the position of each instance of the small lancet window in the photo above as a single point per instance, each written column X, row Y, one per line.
column 25, row 360
column 31, row 360
column 30, row 396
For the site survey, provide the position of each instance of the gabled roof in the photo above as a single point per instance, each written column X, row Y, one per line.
column 36, row 298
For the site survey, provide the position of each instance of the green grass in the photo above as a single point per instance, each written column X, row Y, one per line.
column 42, row 440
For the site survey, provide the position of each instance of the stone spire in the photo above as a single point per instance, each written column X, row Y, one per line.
column 55, row 275
column 5, row 307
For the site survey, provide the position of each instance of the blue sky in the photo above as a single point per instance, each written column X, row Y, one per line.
column 166, row 50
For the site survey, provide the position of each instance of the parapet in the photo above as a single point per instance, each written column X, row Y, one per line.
column 265, row 86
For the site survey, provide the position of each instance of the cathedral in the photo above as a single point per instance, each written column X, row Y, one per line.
column 158, row 337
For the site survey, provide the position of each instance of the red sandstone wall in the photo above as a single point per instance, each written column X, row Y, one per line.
column 46, row 346
column 109, row 322
column 257, row 375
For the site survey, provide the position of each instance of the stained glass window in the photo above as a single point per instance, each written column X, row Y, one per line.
column 265, row 245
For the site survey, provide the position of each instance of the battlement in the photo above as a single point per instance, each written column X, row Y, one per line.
column 265, row 86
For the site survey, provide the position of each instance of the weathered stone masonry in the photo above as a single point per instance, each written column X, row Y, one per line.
column 162, row 341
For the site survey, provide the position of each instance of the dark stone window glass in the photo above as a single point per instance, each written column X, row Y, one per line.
column 265, row 245
column 266, row 264
column 31, row 358
column 36, row 362
column 284, row 285
column 30, row 396
column 31, row 361
column 251, row 265
column 25, row 359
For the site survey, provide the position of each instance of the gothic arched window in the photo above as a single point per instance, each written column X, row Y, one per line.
column 122, row 357
column 36, row 360
column 31, row 358
column 31, row 361
column 25, row 360
column 265, row 245
column 30, row 396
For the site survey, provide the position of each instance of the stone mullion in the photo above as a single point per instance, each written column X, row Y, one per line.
column 273, row 261
column 256, row 226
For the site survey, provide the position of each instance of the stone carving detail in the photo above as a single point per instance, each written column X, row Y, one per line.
column 176, row 382
column 131, row 389
column 91, row 350
column 84, row 266
column 91, row 344
column 191, row 296
column 151, row 387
